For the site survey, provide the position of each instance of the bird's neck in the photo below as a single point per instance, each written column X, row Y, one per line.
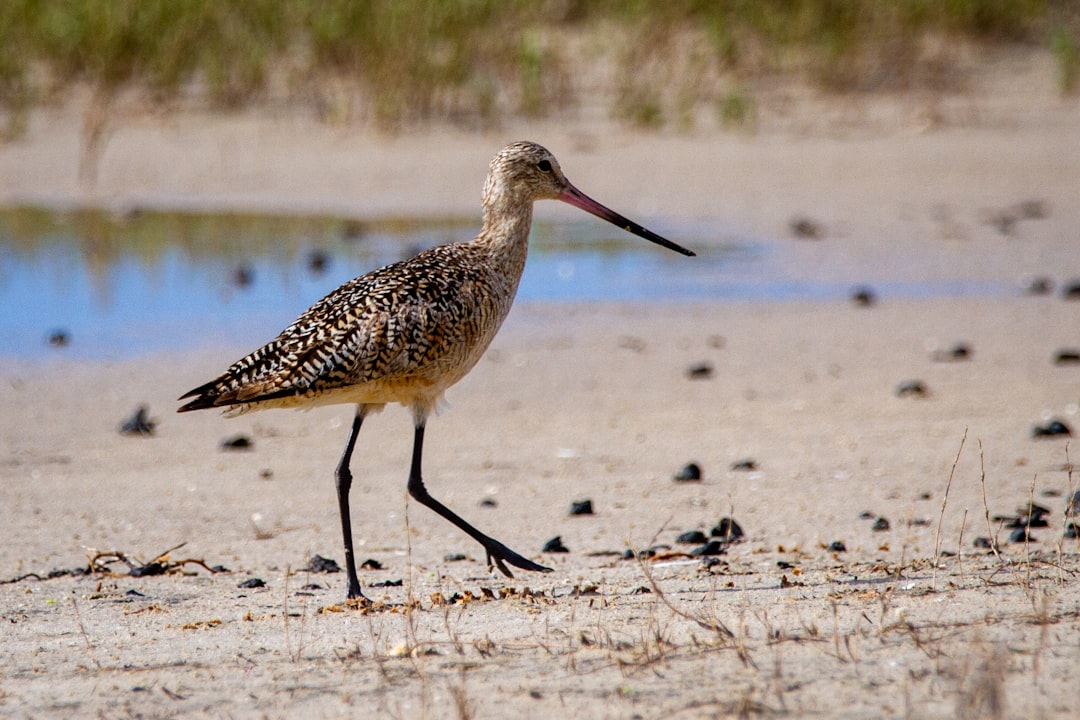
column 506, row 234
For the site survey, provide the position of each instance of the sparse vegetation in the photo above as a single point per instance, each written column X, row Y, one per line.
column 476, row 61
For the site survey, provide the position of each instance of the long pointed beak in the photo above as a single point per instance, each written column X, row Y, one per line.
column 578, row 199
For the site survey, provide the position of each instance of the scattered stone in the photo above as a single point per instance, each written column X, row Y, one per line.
column 913, row 388
column 957, row 353
column 139, row 423
column 691, row 472
column 555, row 545
column 243, row 276
column 713, row 547
column 880, row 524
column 149, row 569
column 581, row 507
column 1053, row 428
column 1040, row 286
column 727, row 530
column 692, row 537
column 1073, row 506
column 134, row 593
column 371, row 564
column 804, row 228
column 266, row 474
column 1020, row 535
column 455, row 557
column 488, row 502
column 58, row 338
column 785, row 565
column 837, row 546
column 863, row 296
column 867, row 515
column 744, row 465
column 1067, row 356
column 983, row 543
column 1072, row 290
column 252, row 583
column 317, row 261
column 1033, row 210
column 700, row 371
column 319, row 564
column 386, row 583
column 1072, row 531
column 236, row 442
column 1030, row 516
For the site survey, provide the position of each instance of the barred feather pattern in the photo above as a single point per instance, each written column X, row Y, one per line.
column 402, row 333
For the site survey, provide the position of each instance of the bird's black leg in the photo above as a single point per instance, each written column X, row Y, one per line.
column 496, row 551
column 343, row 475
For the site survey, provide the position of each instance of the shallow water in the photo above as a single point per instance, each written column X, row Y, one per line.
column 120, row 286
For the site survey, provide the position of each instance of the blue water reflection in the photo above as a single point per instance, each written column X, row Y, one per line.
column 137, row 302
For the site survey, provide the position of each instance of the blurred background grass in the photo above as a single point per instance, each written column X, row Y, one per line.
column 398, row 63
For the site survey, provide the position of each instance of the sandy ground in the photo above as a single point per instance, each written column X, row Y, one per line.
column 586, row 402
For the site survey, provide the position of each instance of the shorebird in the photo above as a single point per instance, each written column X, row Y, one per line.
column 406, row 332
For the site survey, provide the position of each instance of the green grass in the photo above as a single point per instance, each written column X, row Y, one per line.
column 398, row 62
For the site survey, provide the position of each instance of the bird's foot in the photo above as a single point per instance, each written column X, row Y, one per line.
column 498, row 555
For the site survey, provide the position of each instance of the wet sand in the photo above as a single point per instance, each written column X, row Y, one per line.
column 586, row 401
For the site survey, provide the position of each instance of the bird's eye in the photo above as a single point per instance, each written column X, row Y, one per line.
column 544, row 165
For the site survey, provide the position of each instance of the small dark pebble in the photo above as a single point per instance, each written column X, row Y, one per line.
column 692, row 537
column 149, row 569
column 1020, row 535
column 581, row 507
column 555, row 545
column 139, row 423
column 863, row 297
column 700, row 371
column 236, row 442
column 914, row 388
column 745, row 465
column 1072, row 531
column 785, row 565
column 1073, row 506
column 317, row 261
column 1040, row 286
column 218, row 568
column 1071, row 291
column 727, row 530
column 691, row 472
column 371, row 564
column 58, row 338
column 318, row 563
column 713, row 547
column 1054, row 428
column 1033, row 209
column 1067, row 356
column 983, row 543
column 134, row 593
column 1005, row 221
column 880, row 525
column 837, row 546
column 536, row 694
column 252, row 583
column 455, row 557
column 866, row 515
column 312, row 586
column 243, row 276
column 488, row 502
column 956, row 353
column 386, row 583
column 806, row 229
column 643, row 554
column 925, row 495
